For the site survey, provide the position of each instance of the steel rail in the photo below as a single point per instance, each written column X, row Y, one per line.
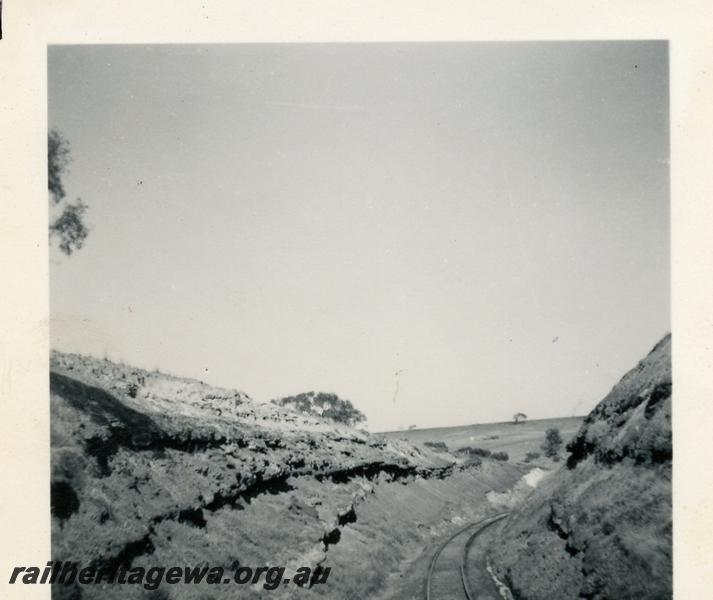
column 483, row 524
column 466, row 549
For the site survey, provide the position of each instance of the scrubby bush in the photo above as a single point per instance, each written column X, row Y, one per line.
column 472, row 458
column 132, row 389
column 532, row 456
column 500, row 456
column 438, row 446
column 326, row 406
column 553, row 442
column 480, row 452
column 470, row 451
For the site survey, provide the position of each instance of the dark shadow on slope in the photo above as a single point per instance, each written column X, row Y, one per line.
column 128, row 428
column 63, row 500
column 103, row 408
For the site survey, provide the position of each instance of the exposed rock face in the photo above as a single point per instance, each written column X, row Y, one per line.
column 601, row 526
column 153, row 470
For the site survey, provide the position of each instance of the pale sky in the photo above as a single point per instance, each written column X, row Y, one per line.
column 491, row 221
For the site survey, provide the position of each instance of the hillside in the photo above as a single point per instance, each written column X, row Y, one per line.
column 150, row 469
column 600, row 527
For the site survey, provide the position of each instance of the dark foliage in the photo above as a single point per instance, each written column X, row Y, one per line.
column 470, row 451
column 324, row 405
column 58, row 158
column 439, row 446
column 69, row 227
column 553, row 442
column 63, row 500
column 519, row 418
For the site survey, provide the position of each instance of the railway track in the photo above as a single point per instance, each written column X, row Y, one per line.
column 448, row 574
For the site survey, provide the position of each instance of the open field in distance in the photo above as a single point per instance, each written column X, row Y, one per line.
column 516, row 440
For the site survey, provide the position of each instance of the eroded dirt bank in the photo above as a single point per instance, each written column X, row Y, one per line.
column 600, row 527
column 149, row 469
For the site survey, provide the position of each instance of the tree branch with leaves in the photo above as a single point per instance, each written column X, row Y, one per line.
column 69, row 226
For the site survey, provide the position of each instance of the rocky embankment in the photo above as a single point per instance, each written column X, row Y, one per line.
column 600, row 527
column 149, row 469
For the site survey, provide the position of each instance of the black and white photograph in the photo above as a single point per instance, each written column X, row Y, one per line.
column 360, row 320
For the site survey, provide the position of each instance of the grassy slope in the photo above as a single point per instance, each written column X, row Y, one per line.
column 149, row 469
column 601, row 526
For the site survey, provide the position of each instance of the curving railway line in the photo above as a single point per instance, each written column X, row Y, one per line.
column 449, row 576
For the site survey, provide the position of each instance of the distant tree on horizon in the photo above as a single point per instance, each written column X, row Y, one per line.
column 325, row 406
column 519, row 418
